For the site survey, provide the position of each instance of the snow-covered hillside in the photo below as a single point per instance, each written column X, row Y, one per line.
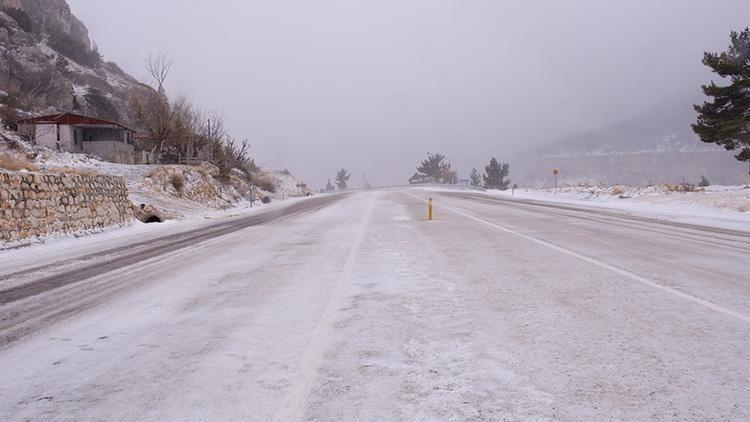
column 655, row 147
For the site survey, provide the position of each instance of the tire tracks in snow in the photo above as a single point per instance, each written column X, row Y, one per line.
column 295, row 399
column 113, row 259
column 49, row 299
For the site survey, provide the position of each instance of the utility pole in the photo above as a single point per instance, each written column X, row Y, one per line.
column 555, row 172
column 252, row 194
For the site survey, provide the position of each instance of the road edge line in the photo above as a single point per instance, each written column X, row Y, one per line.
column 694, row 299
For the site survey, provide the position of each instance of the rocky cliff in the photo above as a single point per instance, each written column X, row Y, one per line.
column 48, row 64
column 51, row 16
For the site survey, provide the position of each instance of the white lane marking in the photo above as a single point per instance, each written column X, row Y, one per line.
column 295, row 400
column 702, row 302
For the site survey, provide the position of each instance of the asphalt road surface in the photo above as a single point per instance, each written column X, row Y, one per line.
column 353, row 307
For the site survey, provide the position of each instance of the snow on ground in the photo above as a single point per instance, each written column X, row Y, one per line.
column 151, row 184
column 55, row 248
column 200, row 195
column 717, row 206
column 288, row 185
column 722, row 206
column 363, row 311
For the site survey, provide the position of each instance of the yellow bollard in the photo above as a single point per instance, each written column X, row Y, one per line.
column 429, row 209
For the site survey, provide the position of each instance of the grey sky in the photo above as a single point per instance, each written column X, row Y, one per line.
column 375, row 85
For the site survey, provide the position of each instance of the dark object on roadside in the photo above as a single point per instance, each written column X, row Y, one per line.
column 266, row 200
column 148, row 214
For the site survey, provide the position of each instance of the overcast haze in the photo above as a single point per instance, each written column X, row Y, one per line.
column 320, row 85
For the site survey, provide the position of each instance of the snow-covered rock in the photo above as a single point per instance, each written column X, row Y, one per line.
column 42, row 80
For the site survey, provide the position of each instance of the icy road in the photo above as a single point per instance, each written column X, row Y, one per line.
column 354, row 308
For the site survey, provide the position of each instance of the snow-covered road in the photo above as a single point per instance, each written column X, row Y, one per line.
column 362, row 310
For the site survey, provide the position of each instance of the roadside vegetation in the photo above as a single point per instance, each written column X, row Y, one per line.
column 178, row 132
column 342, row 178
column 725, row 121
column 436, row 168
column 13, row 163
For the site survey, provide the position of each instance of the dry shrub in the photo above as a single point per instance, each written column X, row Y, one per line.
column 688, row 187
column 242, row 189
column 618, row 190
column 72, row 170
column 264, row 181
column 682, row 187
column 178, row 181
column 9, row 162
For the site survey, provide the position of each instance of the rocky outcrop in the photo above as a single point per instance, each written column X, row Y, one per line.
column 42, row 71
column 52, row 16
column 192, row 183
column 34, row 205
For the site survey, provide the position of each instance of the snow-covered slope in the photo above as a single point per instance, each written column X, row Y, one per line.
column 655, row 147
column 288, row 185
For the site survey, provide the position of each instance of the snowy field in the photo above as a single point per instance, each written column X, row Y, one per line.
column 722, row 206
column 362, row 310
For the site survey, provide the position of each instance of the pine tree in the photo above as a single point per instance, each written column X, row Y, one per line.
column 496, row 175
column 329, row 186
column 726, row 120
column 434, row 169
column 704, row 182
column 476, row 178
column 342, row 177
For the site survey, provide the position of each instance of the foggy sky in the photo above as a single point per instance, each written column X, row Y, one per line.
column 374, row 85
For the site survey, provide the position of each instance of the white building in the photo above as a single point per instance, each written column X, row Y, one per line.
column 69, row 132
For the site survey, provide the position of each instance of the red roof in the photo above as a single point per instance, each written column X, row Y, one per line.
column 70, row 119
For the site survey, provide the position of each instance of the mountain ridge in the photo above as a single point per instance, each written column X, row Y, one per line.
column 48, row 64
column 656, row 146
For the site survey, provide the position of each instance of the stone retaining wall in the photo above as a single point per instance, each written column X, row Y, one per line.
column 40, row 204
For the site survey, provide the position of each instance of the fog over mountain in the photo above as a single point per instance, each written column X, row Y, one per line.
column 374, row 86
column 656, row 146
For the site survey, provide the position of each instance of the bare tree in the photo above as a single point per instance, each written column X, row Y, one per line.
column 154, row 113
column 152, row 108
column 185, row 122
column 158, row 67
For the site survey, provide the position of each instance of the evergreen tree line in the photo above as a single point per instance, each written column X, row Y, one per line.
column 437, row 169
